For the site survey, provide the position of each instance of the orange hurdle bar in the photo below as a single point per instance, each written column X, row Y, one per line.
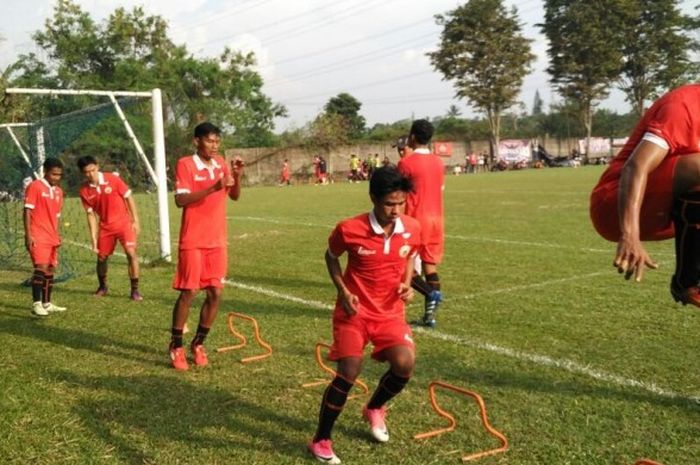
column 646, row 462
column 453, row 423
column 243, row 340
column 332, row 372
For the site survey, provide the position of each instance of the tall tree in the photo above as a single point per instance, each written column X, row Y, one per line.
column 453, row 112
column 583, row 60
column 537, row 104
column 656, row 50
column 348, row 107
column 484, row 52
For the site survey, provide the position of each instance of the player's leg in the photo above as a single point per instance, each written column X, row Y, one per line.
column 39, row 280
column 431, row 255
column 48, row 288
column 186, row 280
column 214, row 264
column 686, row 219
column 128, row 241
column 105, row 247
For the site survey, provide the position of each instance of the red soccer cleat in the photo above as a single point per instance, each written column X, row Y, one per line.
column 178, row 359
column 689, row 295
column 100, row 292
column 200, row 356
column 375, row 418
column 323, row 451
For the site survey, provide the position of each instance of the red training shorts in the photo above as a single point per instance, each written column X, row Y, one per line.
column 43, row 254
column 432, row 237
column 107, row 239
column 655, row 221
column 352, row 334
column 201, row 268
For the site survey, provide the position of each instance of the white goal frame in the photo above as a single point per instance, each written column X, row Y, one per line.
column 157, row 175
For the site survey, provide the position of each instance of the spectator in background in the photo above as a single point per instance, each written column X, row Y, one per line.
column 322, row 171
column 354, row 168
column 284, row 178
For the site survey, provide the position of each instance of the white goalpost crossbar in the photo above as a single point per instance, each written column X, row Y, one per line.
column 158, row 175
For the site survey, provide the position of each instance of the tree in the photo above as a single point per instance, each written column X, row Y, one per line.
column 348, row 107
column 130, row 50
column 655, row 50
column 483, row 51
column 537, row 104
column 453, row 112
column 583, row 58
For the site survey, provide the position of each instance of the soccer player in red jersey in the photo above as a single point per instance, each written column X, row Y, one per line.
column 106, row 195
column 43, row 200
column 425, row 203
column 651, row 191
column 202, row 182
column 370, row 304
column 284, row 178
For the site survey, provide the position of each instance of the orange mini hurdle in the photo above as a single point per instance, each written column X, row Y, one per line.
column 453, row 423
column 332, row 373
column 243, row 340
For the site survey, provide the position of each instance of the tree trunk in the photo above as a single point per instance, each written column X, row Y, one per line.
column 588, row 124
column 494, row 117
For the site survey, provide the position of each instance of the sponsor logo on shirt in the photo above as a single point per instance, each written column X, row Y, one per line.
column 404, row 250
column 200, row 178
column 44, row 194
column 362, row 251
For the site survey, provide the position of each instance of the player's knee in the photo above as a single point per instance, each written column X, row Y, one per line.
column 214, row 294
column 350, row 369
column 102, row 258
column 403, row 366
column 130, row 253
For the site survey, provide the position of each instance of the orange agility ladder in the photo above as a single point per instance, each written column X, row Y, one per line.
column 332, row 372
column 453, row 423
column 646, row 462
column 243, row 340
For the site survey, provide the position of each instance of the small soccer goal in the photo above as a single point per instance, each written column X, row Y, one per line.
column 112, row 126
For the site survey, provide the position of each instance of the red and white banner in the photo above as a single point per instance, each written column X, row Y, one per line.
column 515, row 150
column 444, row 149
column 599, row 147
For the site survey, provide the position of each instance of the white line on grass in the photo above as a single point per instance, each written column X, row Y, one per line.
column 544, row 360
column 88, row 247
column 506, row 290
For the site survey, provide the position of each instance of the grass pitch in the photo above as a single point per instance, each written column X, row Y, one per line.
column 576, row 365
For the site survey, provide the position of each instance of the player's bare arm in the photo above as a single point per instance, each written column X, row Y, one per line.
column 93, row 227
column 405, row 290
column 234, row 189
column 184, row 199
column 347, row 298
column 131, row 205
column 631, row 258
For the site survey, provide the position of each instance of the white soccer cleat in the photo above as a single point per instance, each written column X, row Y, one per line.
column 39, row 310
column 50, row 307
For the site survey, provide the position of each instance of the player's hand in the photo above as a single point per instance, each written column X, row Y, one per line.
column 237, row 165
column 95, row 250
column 28, row 243
column 350, row 302
column 137, row 227
column 632, row 259
column 405, row 292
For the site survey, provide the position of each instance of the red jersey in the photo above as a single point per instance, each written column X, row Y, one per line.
column 675, row 118
column 108, row 200
column 203, row 223
column 45, row 201
column 427, row 172
column 376, row 263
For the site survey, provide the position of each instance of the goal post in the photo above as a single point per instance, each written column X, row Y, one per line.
column 157, row 173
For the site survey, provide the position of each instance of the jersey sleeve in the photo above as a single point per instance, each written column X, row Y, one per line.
column 122, row 189
column 336, row 241
column 84, row 200
column 183, row 178
column 672, row 123
column 31, row 196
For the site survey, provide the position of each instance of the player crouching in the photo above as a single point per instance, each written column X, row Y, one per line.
column 372, row 292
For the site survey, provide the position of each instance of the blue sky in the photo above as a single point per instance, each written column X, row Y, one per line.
column 310, row 50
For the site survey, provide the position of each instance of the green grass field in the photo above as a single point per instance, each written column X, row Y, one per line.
column 576, row 365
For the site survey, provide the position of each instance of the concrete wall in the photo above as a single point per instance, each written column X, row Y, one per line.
column 264, row 164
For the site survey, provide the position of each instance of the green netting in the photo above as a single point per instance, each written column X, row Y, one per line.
column 97, row 131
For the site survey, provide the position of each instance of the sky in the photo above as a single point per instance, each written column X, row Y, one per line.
column 311, row 50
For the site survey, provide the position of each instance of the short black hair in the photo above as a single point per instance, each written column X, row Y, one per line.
column 388, row 179
column 206, row 128
column 422, row 130
column 51, row 163
column 85, row 161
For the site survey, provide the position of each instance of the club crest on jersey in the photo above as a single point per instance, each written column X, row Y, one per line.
column 404, row 250
column 108, row 190
column 362, row 251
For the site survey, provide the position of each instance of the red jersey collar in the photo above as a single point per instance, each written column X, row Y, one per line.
column 100, row 180
column 377, row 228
column 203, row 166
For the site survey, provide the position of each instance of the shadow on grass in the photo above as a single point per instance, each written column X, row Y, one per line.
column 33, row 327
column 177, row 414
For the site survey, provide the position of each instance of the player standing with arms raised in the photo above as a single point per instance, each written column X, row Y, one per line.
column 203, row 181
column 370, row 304
column 106, row 195
column 425, row 203
column 43, row 201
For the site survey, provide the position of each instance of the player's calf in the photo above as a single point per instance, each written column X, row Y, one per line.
column 686, row 220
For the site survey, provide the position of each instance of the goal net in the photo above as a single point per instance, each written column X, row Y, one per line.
column 118, row 134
